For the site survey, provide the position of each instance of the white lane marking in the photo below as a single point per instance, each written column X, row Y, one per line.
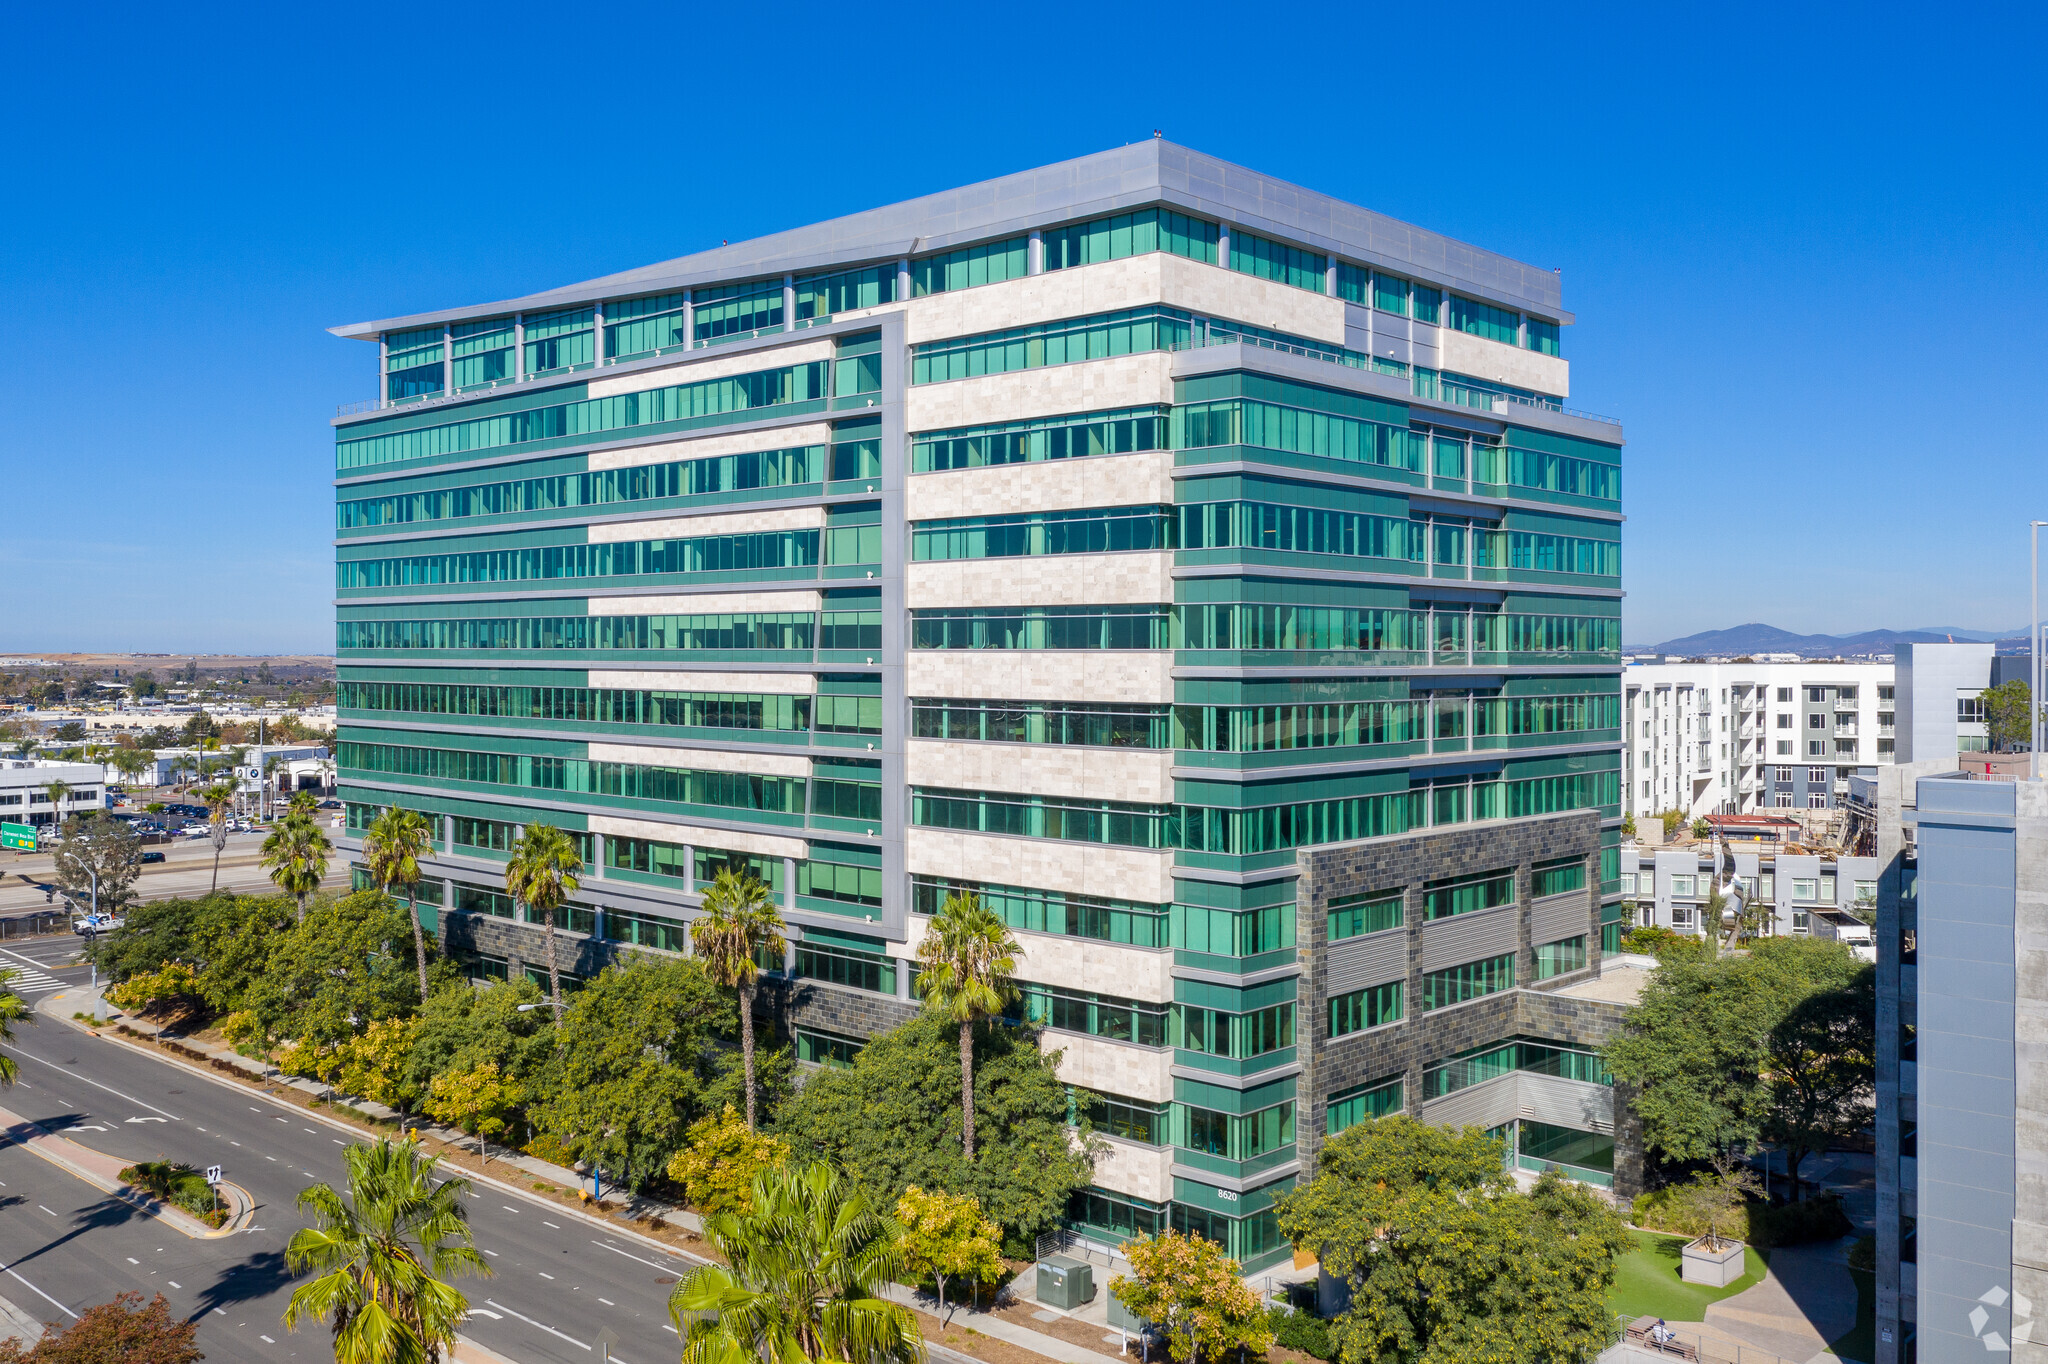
column 200, row 1128
column 234, row 1143
column 218, row 1313
column 309, row 1131
column 133, row 1261
column 254, row 1109
column 337, row 1141
column 96, row 1085
column 544, row 1274
column 531, row 1322
column 44, row 1296
column 46, row 1210
column 174, row 1283
column 544, row 1222
column 265, row 1339
column 510, row 1210
column 607, row 1302
column 271, row 1159
column 666, row 1269
column 492, row 1253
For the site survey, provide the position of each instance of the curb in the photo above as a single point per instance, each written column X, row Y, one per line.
column 339, row 1125
column 177, row 1218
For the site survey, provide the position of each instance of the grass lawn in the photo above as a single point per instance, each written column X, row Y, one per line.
column 1860, row 1341
column 1646, row 1282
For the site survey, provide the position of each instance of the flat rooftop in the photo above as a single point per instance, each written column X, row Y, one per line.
column 1621, row 981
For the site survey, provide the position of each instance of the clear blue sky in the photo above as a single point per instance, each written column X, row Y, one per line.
column 1804, row 244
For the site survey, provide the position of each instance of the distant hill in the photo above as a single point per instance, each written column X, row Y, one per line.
column 1757, row 638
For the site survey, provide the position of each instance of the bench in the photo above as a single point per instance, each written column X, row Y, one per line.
column 1639, row 1335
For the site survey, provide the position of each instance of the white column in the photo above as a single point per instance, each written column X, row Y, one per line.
column 689, row 319
column 1034, row 254
column 689, row 869
column 597, row 333
column 447, row 359
column 903, row 279
column 1223, row 245
column 597, row 857
column 518, row 346
column 383, row 371
column 788, row 882
column 789, row 302
column 1330, row 278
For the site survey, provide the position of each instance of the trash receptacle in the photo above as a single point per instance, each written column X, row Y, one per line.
column 1064, row 1282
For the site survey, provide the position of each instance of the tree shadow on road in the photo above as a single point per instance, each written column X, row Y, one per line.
column 257, row 1276
column 108, row 1212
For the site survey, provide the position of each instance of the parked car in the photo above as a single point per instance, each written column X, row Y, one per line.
column 149, row 855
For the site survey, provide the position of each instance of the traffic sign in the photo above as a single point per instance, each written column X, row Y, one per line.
column 18, row 836
column 213, row 1174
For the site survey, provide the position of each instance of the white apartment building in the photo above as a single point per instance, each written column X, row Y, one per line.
column 1740, row 738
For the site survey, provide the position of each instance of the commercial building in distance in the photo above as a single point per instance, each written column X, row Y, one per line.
column 1205, row 572
column 25, row 790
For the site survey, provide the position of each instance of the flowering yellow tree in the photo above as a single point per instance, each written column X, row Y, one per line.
column 480, row 1100
column 1190, row 1289
column 718, row 1166
column 946, row 1237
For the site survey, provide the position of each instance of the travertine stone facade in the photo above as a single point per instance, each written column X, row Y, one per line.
column 1042, row 769
column 1504, row 364
column 708, row 447
column 1144, row 676
column 1126, row 381
column 1124, row 1068
column 1141, row 479
column 1078, row 868
column 1136, row 578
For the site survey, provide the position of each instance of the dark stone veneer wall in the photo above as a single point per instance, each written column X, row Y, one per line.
column 1420, row 1039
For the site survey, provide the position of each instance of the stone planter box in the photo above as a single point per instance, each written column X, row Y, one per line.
column 1713, row 1268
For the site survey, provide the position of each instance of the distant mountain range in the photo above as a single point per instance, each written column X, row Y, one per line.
column 1769, row 639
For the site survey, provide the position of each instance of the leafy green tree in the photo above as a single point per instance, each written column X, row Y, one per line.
column 57, row 792
column 1192, row 1291
column 890, row 1120
column 1444, row 1259
column 324, row 980
column 392, row 848
column 295, row 854
column 96, row 845
column 717, row 1166
column 480, row 1101
column 119, row 1332
column 738, row 923
column 2008, row 715
column 384, row 1253
column 541, row 874
column 968, row 958
column 219, row 798
column 803, row 1279
column 1821, row 1049
column 1691, row 1054
column 232, row 939
column 1778, row 1043
column 462, row 1028
column 636, row 1065
column 946, row 1237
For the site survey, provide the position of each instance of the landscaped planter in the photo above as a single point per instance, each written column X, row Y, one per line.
column 1715, row 1265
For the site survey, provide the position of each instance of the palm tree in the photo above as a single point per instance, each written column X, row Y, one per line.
column 295, row 854
column 967, row 958
column 804, row 1273
column 58, row 792
column 383, row 1252
column 304, row 803
column 541, row 874
column 737, row 923
column 392, row 848
column 13, row 1009
column 219, row 798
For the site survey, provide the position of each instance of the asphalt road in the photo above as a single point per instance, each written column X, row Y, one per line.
column 559, row 1281
column 187, row 870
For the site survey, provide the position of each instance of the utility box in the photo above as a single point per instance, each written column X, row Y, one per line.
column 1064, row 1282
column 1121, row 1318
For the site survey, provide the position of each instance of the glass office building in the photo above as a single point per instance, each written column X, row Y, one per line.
column 1112, row 540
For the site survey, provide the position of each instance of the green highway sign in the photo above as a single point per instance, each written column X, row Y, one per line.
column 19, row 836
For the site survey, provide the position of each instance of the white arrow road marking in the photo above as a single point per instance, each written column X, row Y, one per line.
column 485, row 1312
column 145, row 1119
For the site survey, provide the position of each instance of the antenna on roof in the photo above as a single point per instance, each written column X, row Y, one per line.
column 1157, row 133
